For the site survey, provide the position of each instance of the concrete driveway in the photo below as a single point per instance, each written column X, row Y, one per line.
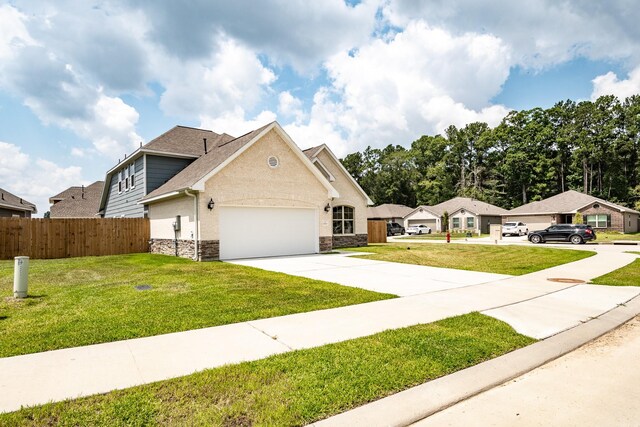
column 378, row 276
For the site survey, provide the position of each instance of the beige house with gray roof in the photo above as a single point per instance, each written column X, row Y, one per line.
column 562, row 208
column 465, row 215
column 389, row 212
column 258, row 195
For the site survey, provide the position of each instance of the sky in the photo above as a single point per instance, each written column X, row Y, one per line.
column 82, row 83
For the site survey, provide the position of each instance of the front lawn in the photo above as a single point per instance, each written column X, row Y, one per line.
column 295, row 388
column 442, row 236
column 606, row 237
column 628, row 275
column 513, row 260
column 81, row 301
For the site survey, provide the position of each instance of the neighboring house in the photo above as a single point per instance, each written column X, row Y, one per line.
column 562, row 208
column 465, row 214
column 389, row 212
column 77, row 202
column 424, row 215
column 151, row 166
column 258, row 195
column 14, row 206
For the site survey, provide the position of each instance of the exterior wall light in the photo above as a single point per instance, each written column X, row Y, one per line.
column 210, row 204
column 327, row 208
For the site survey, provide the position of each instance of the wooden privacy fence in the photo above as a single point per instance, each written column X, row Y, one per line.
column 377, row 231
column 72, row 237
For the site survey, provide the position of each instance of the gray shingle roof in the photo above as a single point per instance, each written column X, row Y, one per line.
column 11, row 201
column 567, row 202
column 77, row 202
column 389, row 210
column 185, row 140
column 472, row 205
column 197, row 170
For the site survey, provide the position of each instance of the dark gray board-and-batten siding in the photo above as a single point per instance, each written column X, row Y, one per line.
column 158, row 170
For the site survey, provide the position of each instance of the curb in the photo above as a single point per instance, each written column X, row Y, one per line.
column 417, row 403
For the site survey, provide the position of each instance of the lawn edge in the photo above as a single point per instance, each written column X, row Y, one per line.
column 417, row 403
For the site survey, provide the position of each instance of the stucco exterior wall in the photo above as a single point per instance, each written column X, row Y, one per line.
column 463, row 220
column 349, row 194
column 162, row 215
column 250, row 181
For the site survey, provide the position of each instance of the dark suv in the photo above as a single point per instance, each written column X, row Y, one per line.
column 574, row 233
column 394, row 228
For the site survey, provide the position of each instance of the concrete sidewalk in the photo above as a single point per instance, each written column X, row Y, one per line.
column 56, row 375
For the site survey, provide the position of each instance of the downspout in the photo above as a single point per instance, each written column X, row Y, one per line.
column 197, row 223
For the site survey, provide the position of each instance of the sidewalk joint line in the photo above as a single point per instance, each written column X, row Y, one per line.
column 273, row 337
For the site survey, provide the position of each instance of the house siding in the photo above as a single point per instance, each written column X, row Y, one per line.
column 161, row 169
column 125, row 204
column 617, row 218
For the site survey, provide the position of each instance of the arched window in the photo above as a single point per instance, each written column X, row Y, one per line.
column 343, row 220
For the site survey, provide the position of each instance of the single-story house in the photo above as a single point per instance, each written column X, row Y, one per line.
column 14, row 206
column 77, row 202
column 465, row 214
column 562, row 208
column 258, row 195
column 388, row 212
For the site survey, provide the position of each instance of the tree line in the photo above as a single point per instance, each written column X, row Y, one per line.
column 587, row 146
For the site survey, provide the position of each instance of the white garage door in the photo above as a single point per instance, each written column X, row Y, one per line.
column 428, row 222
column 261, row 232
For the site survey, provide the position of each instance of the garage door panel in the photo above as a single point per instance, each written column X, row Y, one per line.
column 260, row 232
column 428, row 222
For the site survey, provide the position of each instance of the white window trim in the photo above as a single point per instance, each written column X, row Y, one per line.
column 353, row 220
column 132, row 175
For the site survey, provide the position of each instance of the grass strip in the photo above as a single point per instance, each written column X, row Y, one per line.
column 81, row 301
column 628, row 275
column 511, row 259
column 295, row 388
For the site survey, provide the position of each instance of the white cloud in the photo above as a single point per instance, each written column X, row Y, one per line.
column 32, row 179
column 609, row 84
column 419, row 81
column 232, row 78
column 300, row 33
column 541, row 33
column 290, row 107
column 13, row 32
column 235, row 123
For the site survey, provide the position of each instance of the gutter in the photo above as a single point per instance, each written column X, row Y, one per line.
column 197, row 223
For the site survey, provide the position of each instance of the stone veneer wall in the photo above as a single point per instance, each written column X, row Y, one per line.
column 208, row 250
column 349, row 241
column 326, row 243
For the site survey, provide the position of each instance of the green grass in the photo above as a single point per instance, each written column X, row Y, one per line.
column 513, row 260
column 294, row 388
column 442, row 236
column 80, row 301
column 628, row 275
column 610, row 236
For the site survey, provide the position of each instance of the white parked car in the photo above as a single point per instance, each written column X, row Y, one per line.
column 515, row 228
column 419, row 229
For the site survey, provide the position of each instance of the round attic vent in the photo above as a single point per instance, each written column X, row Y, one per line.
column 273, row 161
column 596, row 205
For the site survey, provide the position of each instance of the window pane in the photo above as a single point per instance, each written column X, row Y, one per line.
column 348, row 212
column 133, row 181
column 348, row 227
column 456, row 222
column 470, row 222
column 337, row 212
column 337, row 227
